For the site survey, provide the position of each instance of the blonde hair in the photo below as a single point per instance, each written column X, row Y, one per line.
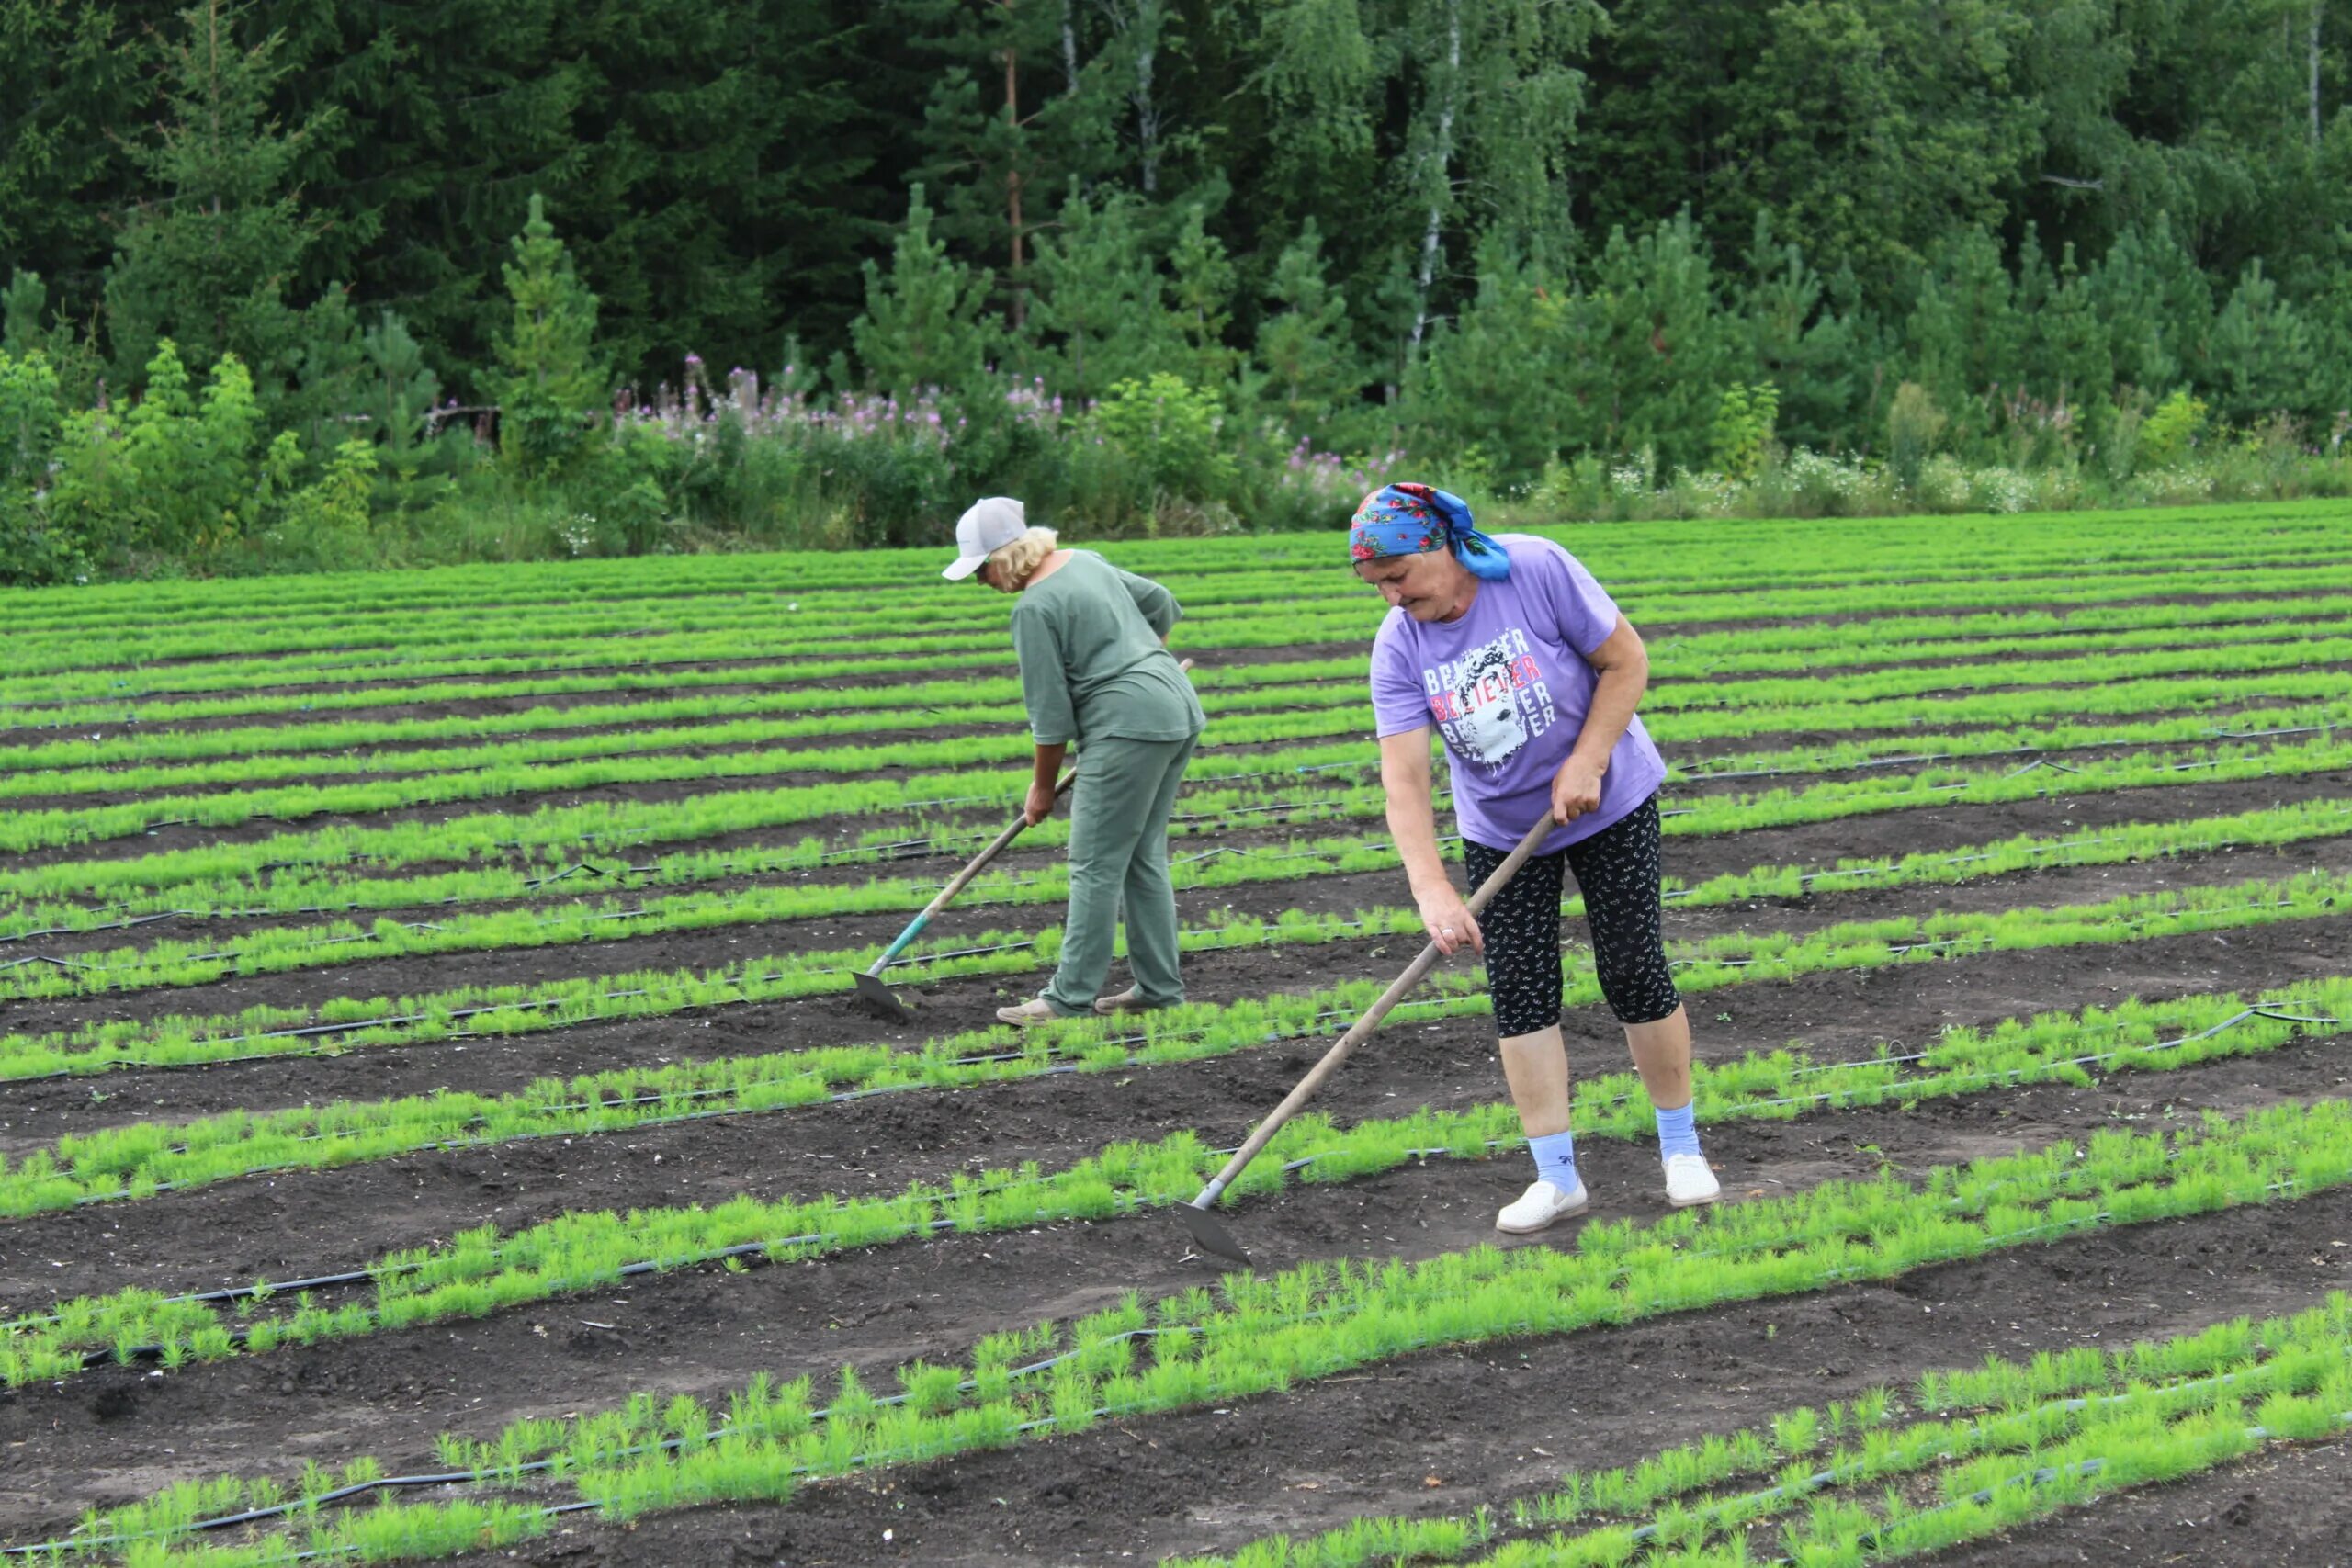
column 1024, row 556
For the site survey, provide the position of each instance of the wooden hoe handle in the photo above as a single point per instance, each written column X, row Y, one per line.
column 1362, row 1029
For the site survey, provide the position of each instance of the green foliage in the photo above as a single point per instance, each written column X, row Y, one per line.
column 326, row 525
column 2173, row 430
column 552, row 390
column 2261, row 359
column 1745, row 420
column 1310, row 369
column 32, row 548
column 206, row 261
column 1966, row 333
column 1100, row 304
column 21, row 304
column 922, row 325
column 180, row 476
column 1170, row 430
column 1915, row 427
column 1200, row 291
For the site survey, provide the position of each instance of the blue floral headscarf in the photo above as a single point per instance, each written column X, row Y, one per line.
column 1410, row 519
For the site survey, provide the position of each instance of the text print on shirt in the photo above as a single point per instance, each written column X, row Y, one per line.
column 1492, row 701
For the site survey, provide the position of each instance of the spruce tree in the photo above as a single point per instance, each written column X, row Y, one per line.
column 207, row 259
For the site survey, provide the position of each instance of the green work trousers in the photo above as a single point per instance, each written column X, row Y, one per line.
column 1118, row 855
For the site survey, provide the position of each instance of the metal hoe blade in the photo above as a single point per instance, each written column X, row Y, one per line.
column 881, row 1000
column 1209, row 1235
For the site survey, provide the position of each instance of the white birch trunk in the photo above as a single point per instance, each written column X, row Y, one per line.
column 1441, row 154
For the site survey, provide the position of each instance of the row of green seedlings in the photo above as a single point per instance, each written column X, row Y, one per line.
column 36, row 673
column 1759, row 559
column 148, row 1158
column 355, row 626
column 1740, row 649
column 346, row 1023
column 1779, row 553
column 176, row 962
column 480, row 1271
column 2153, row 1411
column 278, row 875
column 144, row 1158
column 1772, row 649
column 1305, row 683
column 1259, row 1334
column 58, row 825
column 1678, row 713
column 261, row 1031
column 1222, row 866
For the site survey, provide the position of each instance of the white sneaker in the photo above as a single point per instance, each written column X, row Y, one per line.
column 1689, row 1181
column 1539, row 1205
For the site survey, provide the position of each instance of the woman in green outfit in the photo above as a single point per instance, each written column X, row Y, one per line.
column 1095, row 670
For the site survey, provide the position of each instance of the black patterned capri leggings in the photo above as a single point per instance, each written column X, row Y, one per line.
column 1617, row 872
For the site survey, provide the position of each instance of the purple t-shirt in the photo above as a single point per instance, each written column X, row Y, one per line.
column 1508, row 686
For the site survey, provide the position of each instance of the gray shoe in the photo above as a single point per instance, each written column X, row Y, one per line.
column 1128, row 1000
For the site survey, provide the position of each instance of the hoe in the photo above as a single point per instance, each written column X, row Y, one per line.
column 879, row 998
column 1210, row 1236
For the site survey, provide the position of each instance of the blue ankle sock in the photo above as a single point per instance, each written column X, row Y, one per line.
column 1675, row 1135
column 1555, row 1159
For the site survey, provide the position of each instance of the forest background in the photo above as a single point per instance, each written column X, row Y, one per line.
column 301, row 284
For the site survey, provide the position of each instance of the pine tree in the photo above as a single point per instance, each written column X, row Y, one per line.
column 924, row 324
column 1965, row 331
column 1100, row 300
column 404, row 390
column 1470, row 392
column 1311, row 365
column 2262, row 361
column 1201, row 289
column 1656, row 351
column 553, row 385
column 2158, row 305
column 1803, row 347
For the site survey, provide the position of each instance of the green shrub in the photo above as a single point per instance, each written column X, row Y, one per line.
column 2173, row 431
column 1914, row 426
column 1743, row 435
column 325, row 525
column 1170, row 430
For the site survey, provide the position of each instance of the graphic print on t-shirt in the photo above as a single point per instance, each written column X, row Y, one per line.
column 1490, row 702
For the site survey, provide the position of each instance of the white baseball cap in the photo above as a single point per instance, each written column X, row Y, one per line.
column 992, row 524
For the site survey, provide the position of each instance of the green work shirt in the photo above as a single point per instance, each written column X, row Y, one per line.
column 1092, row 665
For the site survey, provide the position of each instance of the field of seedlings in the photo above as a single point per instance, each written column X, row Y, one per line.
column 435, row 1123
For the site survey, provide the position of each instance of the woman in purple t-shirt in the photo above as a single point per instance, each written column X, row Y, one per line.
column 1507, row 647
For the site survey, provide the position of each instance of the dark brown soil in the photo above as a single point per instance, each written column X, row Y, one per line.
column 699, row 1330
column 1444, row 1433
